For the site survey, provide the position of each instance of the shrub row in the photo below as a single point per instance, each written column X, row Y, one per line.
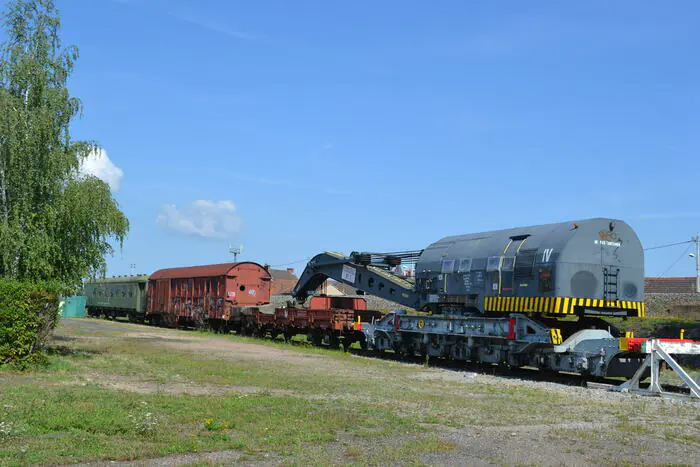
column 28, row 314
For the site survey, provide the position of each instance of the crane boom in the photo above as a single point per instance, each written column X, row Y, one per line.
column 350, row 270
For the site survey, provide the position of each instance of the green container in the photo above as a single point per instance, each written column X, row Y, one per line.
column 72, row 307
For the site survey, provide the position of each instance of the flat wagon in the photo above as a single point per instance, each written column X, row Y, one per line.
column 333, row 321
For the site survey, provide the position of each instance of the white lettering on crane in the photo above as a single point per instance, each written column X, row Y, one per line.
column 546, row 254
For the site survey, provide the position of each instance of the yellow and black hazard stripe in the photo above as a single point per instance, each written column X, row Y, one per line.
column 555, row 336
column 558, row 305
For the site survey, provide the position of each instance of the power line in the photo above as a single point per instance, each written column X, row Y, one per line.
column 666, row 246
column 676, row 262
column 289, row 264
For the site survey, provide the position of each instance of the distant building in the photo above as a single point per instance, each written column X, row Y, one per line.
column 332, row 288
column 283, row 281
column 672, row 296
column 669, row 285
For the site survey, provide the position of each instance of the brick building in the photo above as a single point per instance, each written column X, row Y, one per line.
column 283, row 281
column 672, row 297
column 669, row 285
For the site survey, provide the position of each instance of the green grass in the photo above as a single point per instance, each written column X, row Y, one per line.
column 302, row 404
column 59, row 425
column 654, row 327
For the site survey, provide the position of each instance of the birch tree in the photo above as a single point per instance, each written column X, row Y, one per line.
column 54, row 222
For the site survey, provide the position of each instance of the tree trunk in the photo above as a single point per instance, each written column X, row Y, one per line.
column 3, row 194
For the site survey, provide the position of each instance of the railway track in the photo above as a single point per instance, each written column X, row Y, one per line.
column 504, row 371
column 523, row 373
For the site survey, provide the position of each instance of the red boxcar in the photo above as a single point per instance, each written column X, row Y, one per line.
column 206, row 295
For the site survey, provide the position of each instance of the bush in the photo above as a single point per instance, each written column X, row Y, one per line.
column 28, row 314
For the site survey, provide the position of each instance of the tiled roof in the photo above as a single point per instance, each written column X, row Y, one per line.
column 669, row 285
column 282, row 275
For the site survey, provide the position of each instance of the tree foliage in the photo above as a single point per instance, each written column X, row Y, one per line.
column 28, row 313
column 54, row 222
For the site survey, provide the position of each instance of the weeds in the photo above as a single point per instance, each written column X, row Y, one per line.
column 142, row 421
column 213, row 425
column 5, row 430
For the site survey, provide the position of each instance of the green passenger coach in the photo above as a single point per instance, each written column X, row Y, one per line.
column 117, row 297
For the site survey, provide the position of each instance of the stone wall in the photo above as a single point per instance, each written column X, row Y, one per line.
column 673, row 305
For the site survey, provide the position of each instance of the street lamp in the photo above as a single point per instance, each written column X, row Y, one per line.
column 696, row 239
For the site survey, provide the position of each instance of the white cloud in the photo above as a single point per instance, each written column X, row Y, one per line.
column 212, row 25
column 202, row 218
column 97, row 163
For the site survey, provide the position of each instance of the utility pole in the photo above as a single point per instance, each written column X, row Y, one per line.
column 696, row 239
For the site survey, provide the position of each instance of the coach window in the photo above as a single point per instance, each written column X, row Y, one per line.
column 465, row 265
column 546, row 280
column 493, row 263
column 508, row 263
column 448, row 266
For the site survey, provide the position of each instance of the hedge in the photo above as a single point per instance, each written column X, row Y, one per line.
column 28, row 314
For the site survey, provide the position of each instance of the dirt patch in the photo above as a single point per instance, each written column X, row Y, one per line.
column 551, row 445
column 214, row 346
column 227, row 457
column 93, row 324
column 445, row 375
column 227, row 349
column 172, row 386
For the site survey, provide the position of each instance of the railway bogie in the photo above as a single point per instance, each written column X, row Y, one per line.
column 516, row 340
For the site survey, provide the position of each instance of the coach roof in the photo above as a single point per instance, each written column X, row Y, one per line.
column 210, row 270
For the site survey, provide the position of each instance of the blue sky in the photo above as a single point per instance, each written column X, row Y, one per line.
column 298, row 127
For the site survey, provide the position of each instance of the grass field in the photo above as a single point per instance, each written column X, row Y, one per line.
column 125, row 392
column 658, row 327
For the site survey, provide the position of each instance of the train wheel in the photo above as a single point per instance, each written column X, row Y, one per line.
column 333, row 341
column 363, row 344
column 346, row 342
